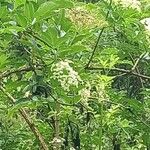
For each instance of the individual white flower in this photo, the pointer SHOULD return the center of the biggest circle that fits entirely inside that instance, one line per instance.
(146, 23)
(44, 27)
(27, 94)
(57, 140)
(134, 4)
(64, 73)
(71, 148)
(14, 23)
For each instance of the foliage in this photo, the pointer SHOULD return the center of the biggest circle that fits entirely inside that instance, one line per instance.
(74, 75)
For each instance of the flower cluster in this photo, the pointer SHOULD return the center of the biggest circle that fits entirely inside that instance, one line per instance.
(81, 17)
(64, 73)
(85, 94)
(134, 4)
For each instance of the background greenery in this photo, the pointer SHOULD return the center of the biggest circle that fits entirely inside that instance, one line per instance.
(74, 75)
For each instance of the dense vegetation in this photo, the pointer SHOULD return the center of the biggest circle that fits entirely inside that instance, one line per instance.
(74, 75)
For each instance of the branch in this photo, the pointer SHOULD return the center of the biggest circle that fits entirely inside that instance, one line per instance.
(99, 37)
(137, 61)
(70, 105)
(28, 121)
(21, 69)
(61, 103)
(56, 145)
(34, 35)
(136, 68)
(94, 50)
(121, 70)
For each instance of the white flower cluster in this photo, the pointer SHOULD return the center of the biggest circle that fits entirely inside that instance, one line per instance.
(134, 4)
(64, 73)
(82, 17)
(85, 94)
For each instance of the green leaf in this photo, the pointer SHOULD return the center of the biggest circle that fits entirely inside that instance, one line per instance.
(50, 36)
(124, 123)
(72, 50)
(21, 20)
(78, 38)
(64, 3)
(3, 12)
(43, 9)
(19, 2)
(46, 8)
(23, 102)
(11, 30)
(29, 10)
(78, 48)
(146, 138)
(3, 60)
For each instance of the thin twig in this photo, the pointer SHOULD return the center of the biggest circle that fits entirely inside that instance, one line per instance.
(137, 61)
(94, 50)
(57, 126)
(31, 34)
(61, 103)
(21, 69)
(120, 75)
(70, 105)
(120, 70)
(99, 37)
(136, 67)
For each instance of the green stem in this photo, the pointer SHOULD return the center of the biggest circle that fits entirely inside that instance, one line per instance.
(57, 127)
(101, 125)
